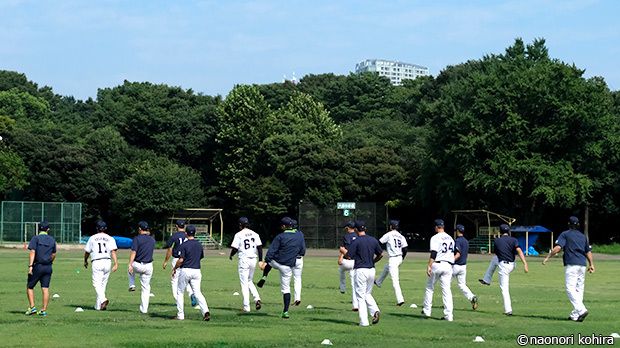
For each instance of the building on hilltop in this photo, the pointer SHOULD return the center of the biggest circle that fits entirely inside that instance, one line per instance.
(394, 70)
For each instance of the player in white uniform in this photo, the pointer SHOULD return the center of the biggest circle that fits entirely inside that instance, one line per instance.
(250, 248)
(297, 271)
(440, 268)
(102, 250)
(346, 263)
(397, 250)
(173, 250)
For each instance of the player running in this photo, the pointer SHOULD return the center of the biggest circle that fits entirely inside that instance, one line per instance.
(576, 251)
(505, 248)
(173, 246)
(397, 250)
(346, 264)
(439, 268)
(249, 247)
(101, 248)
(141, 262)
(42, 254)
(188, 267)
(459, 270)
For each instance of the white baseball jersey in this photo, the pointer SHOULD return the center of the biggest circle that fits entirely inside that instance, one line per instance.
(395, 242)
(245, 242)
(99, 246)
(443, 244)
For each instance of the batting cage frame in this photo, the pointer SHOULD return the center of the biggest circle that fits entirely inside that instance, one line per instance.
(19, 220)
(486, 225)
(203, 219)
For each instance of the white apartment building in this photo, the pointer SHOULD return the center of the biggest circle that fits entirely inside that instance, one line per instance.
(395, 71)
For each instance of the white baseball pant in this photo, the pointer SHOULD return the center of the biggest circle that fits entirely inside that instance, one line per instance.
(145, 271)
(297, 270)
(191, 277)
(246, 269)
(347, 265)
(101, 273)
(174, 282)
(504, 270)
(442, 272)
(364, 281)
(285, 276)
(392, 267)
(460, 273)
(575, 277)
(488, 276)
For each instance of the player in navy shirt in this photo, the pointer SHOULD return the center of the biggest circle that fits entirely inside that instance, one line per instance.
(173, 246)
(141, 262)
(459, 270)
(282, 255)
(346, 263)
(188, 267)
(506, 247)
(42, 254)
(576, 251)
(365, 251)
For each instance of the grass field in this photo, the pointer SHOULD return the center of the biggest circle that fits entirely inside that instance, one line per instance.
(539, 302)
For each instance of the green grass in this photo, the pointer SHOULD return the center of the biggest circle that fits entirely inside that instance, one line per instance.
(539, 302)
(613, 249)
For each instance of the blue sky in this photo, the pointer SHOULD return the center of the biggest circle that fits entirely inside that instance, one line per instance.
(79, 46)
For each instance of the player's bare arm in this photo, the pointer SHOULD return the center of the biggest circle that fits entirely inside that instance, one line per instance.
(590, 262)
(132, 256)
(431, 260)
(86, 255)
(53, 257)
(522, 257)
(31, 261)
(114, 258)
(457, 255)
(556, 249)
(178, 265)
(168, 255)
(233, 251)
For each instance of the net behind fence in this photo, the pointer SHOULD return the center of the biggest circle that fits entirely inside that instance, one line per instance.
(323, 226)
(19, 221)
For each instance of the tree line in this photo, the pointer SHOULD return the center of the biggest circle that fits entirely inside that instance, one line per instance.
(519, 133)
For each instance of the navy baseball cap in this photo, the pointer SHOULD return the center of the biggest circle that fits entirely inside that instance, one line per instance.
(293, 222)
(439, 223)
(503, 228)
(181, 223)
(460, 228)
(395, 223)
(349, 224)
(286, 221)
(190, 230)
(573, 220)
(143, 225)
(44, 226)
(360, 225)
(244, 221)
(101, 225)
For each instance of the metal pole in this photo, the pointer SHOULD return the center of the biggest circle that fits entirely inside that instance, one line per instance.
(2, 224)
(489, 231)
(527, 242)
(62, 216)
(221, 228)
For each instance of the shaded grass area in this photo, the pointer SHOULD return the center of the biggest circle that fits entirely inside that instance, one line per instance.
(539, 302)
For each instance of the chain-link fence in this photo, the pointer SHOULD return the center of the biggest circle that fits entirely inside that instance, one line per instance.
(19, 221)
(323, 226)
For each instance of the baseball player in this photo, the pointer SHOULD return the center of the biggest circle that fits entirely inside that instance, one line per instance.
(188, 267)
(439, 268)
(42, 254)
(366, 252)
(506, 247)
(576, 252)
(282, 255)
(298, 269)
(173, 246)
(459, 270)
(102, 251)
(396, 246)
(346, 264)
(248, 245)
(141, 262)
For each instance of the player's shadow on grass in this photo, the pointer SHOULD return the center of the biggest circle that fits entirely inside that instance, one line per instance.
(412, 315)
(90, 308)
(546, 317)
(335, 321)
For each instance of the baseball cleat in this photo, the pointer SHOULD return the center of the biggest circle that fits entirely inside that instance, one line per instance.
(31, 310)
(207, 316)
(446, 318)
(425, 315)
(193, 299)
(132, 288)
(259, 305)
(582, 316)
(104, 305)
(376, 317)
(377, 284)
(474, 303)
(400, 303)
(508, 314)
(42, 313)
(483, 282)
(297, 302)
(285, 315)
(355, 309)
(177, 318)
(261, 282)
(342, 291)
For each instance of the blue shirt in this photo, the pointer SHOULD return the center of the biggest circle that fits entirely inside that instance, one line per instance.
(44, 246)
(347, 239)
(575, 246)
(192, 253)
(462, 246)
(363, 251)
(143, 245)
(285, 248)
(175, 242)
(506, 248)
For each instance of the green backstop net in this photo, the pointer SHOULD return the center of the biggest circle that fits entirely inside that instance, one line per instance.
(19, 221)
